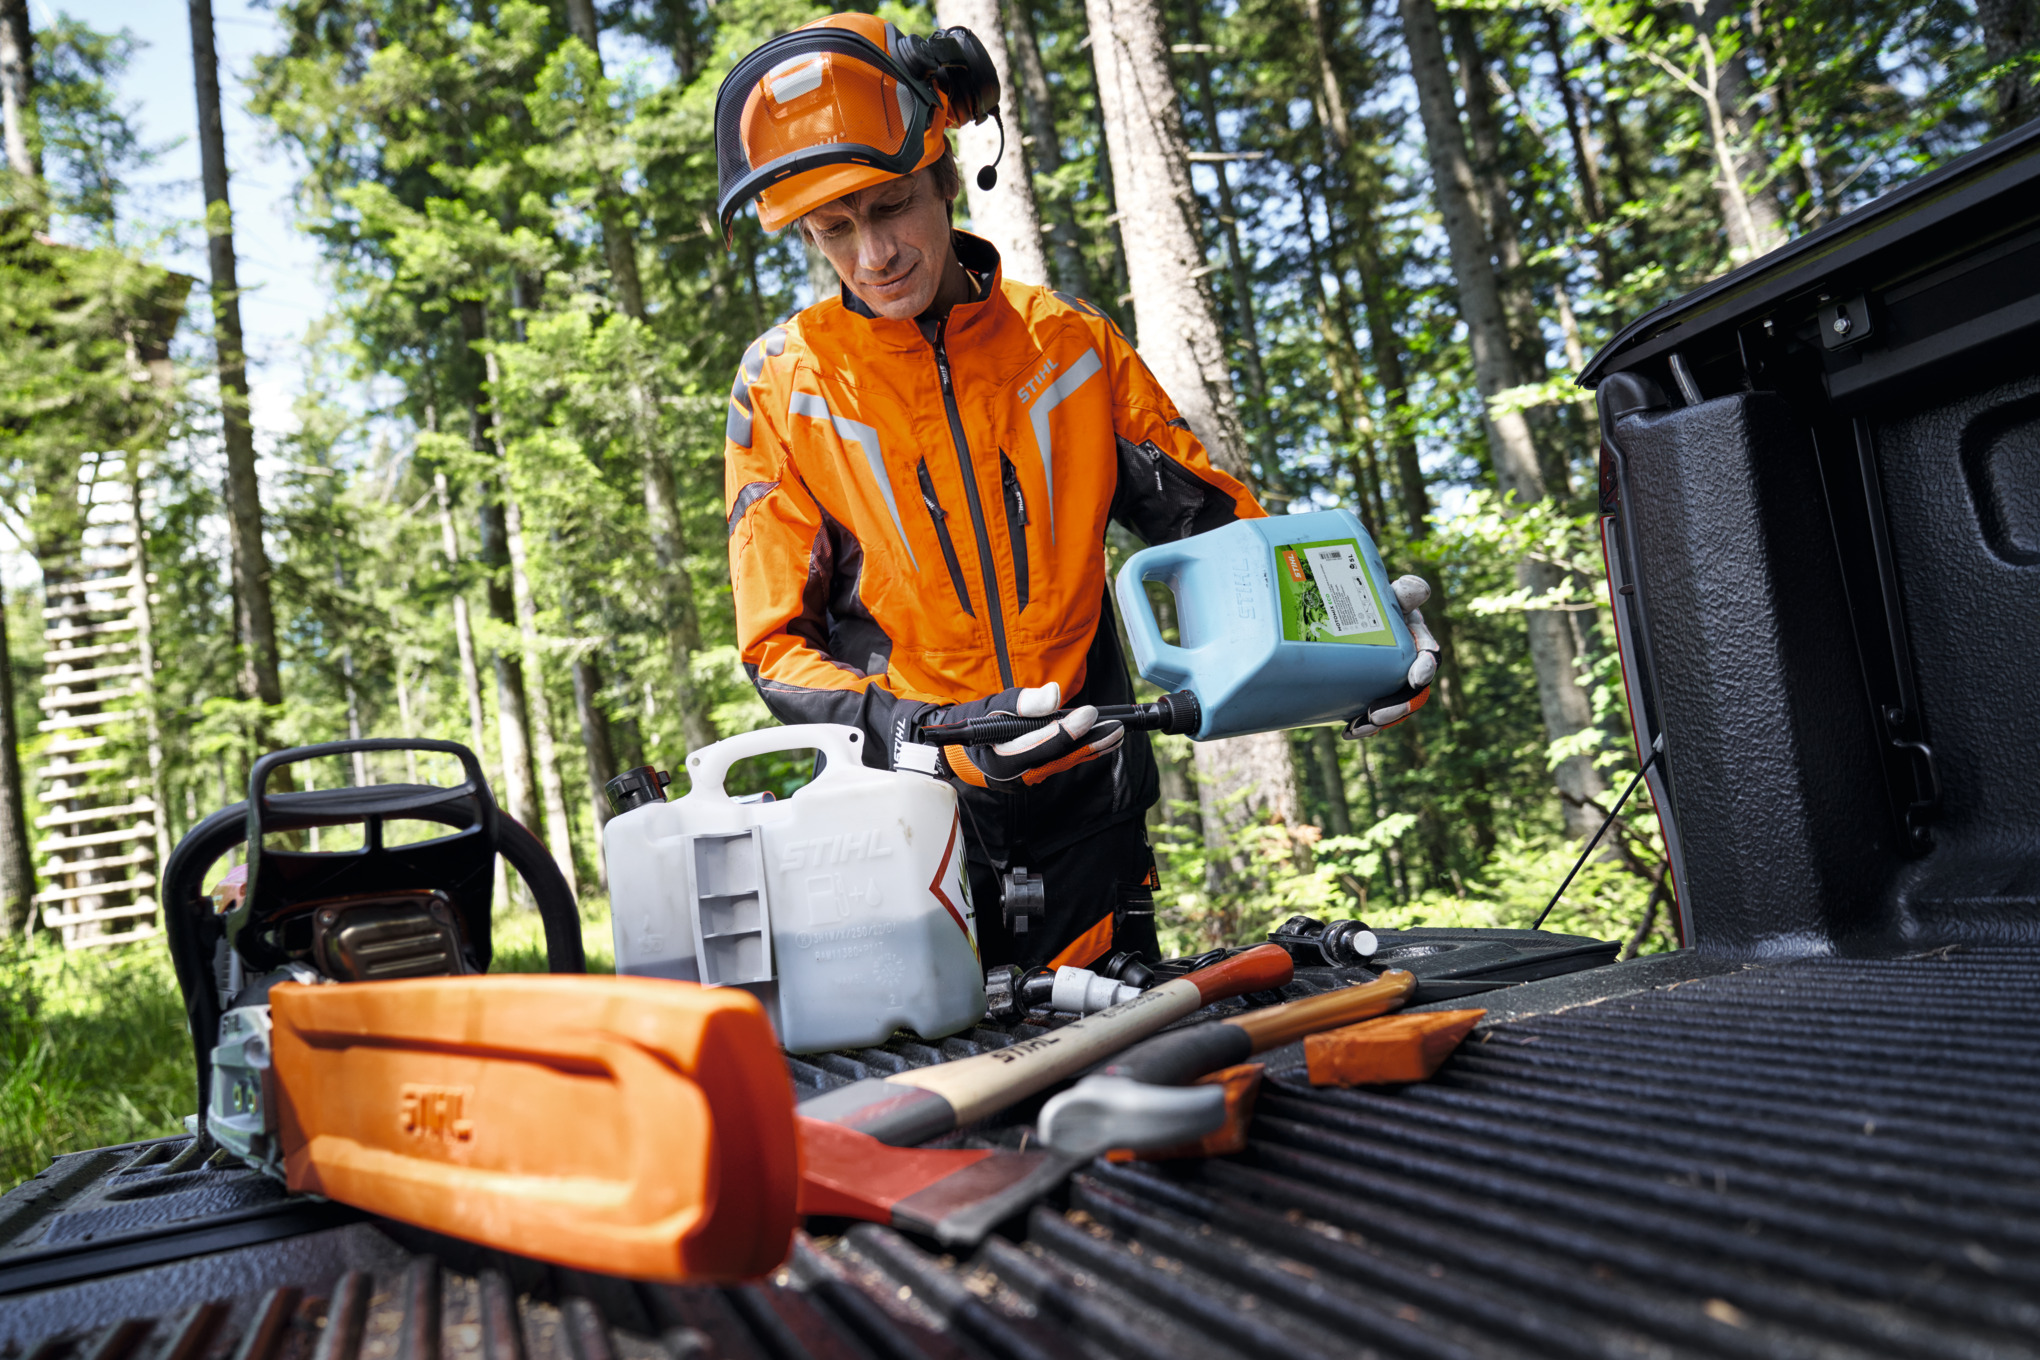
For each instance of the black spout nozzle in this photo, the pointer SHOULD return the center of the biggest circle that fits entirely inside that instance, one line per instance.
(1177, 714)
(636, 787)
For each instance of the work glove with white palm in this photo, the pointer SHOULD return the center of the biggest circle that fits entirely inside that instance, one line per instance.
(1392, 708)
(1055, 746)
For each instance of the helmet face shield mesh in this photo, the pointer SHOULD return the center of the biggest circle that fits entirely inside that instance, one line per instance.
(815, 99)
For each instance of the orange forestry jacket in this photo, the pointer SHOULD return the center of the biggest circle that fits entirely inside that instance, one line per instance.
(917, 515)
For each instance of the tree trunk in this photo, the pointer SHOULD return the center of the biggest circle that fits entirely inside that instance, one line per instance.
(1324, 749)
(619, 244)
(558, 830)
(17, 868)
(2011, 28)
(1385, 348)
(1755, 226)
(558, 835)
(1384, 345)
(1511, 448)
(1584, 164)
(513, 718)
(1324, 28)
(683, 623)
(1006, 214)
(661, 495)
(595, 740)
(17, 89)
(1618, 138)
(255, 621)
(464, 638)
(1164, 261)
(1236, 269)
(1499, 211)
(1043, 147)
(463, 626)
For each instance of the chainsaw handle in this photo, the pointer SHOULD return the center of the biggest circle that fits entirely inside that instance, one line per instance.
(376, 801)
(195, 933)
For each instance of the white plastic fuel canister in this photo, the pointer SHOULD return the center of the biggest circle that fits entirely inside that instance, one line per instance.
(844, 908)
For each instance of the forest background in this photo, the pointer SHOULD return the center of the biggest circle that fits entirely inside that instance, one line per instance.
(1366, 245)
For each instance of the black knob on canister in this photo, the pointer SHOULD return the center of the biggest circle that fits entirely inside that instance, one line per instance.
(636, 787)
(1181, 714)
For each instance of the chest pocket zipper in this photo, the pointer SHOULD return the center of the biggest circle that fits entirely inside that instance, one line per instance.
(1016, 523)
(941, 518)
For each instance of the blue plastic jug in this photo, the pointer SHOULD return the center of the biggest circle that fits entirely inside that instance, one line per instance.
(1285, 622)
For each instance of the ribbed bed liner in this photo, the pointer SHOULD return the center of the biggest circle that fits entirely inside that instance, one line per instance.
(1817, 1158)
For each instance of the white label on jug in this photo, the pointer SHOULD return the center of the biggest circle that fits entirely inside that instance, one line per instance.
(1347, 598)
(1326, 594)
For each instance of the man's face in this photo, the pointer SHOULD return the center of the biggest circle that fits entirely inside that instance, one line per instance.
(890, 243)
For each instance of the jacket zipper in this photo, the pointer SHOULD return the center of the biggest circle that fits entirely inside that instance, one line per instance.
(994, 607)
(941, 518)
(1157, 460)
(1016, 525)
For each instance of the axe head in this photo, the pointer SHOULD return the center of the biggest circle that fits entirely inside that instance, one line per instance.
(626, 1126)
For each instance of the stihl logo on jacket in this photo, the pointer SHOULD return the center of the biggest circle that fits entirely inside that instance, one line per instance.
(1033, 386)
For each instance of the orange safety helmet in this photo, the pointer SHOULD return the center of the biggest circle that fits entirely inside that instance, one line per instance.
(839, 105)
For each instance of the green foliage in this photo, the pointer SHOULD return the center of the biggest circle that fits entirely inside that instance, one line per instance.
(93, 1050)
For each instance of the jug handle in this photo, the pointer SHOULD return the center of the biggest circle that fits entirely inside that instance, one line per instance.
(1171, 665)
(707, 767)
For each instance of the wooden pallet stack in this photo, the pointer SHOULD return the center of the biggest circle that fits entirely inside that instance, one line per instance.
(102, 835)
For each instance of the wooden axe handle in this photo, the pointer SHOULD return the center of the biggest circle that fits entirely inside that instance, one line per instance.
(976, 1087)
(1183, 1055)
(929, 1101)
(1279, 1025)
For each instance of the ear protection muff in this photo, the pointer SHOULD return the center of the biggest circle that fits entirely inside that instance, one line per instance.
(954, 61)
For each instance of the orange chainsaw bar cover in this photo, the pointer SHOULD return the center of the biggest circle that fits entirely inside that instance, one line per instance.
(627, 1126)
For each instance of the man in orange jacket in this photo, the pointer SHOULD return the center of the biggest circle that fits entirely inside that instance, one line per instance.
(919, 476)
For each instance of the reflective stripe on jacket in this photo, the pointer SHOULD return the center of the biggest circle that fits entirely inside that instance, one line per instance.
(917, 513)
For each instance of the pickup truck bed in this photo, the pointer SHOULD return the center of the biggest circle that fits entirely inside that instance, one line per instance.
(1812, 1132)
(1674, 1156)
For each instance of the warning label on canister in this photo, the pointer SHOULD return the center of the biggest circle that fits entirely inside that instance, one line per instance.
(1328, 595)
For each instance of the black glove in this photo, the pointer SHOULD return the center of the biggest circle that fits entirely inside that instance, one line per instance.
(1033, 756)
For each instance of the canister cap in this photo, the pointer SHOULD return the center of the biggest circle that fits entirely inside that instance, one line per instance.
(636, 787)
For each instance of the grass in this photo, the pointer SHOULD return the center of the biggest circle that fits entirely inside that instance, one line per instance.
(93, 1051)
(94, 1048)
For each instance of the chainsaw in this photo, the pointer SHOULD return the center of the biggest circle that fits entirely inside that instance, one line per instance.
(350, 1043)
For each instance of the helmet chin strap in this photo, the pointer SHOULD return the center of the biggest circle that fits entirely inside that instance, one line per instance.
(987, 176)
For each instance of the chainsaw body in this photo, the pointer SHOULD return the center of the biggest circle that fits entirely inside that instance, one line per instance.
(375, 913)
(349, 1044)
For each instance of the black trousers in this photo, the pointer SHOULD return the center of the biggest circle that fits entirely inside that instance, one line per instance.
(1106, 877)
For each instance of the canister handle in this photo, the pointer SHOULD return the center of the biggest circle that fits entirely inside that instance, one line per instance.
(1161, 663)
(706, 768)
